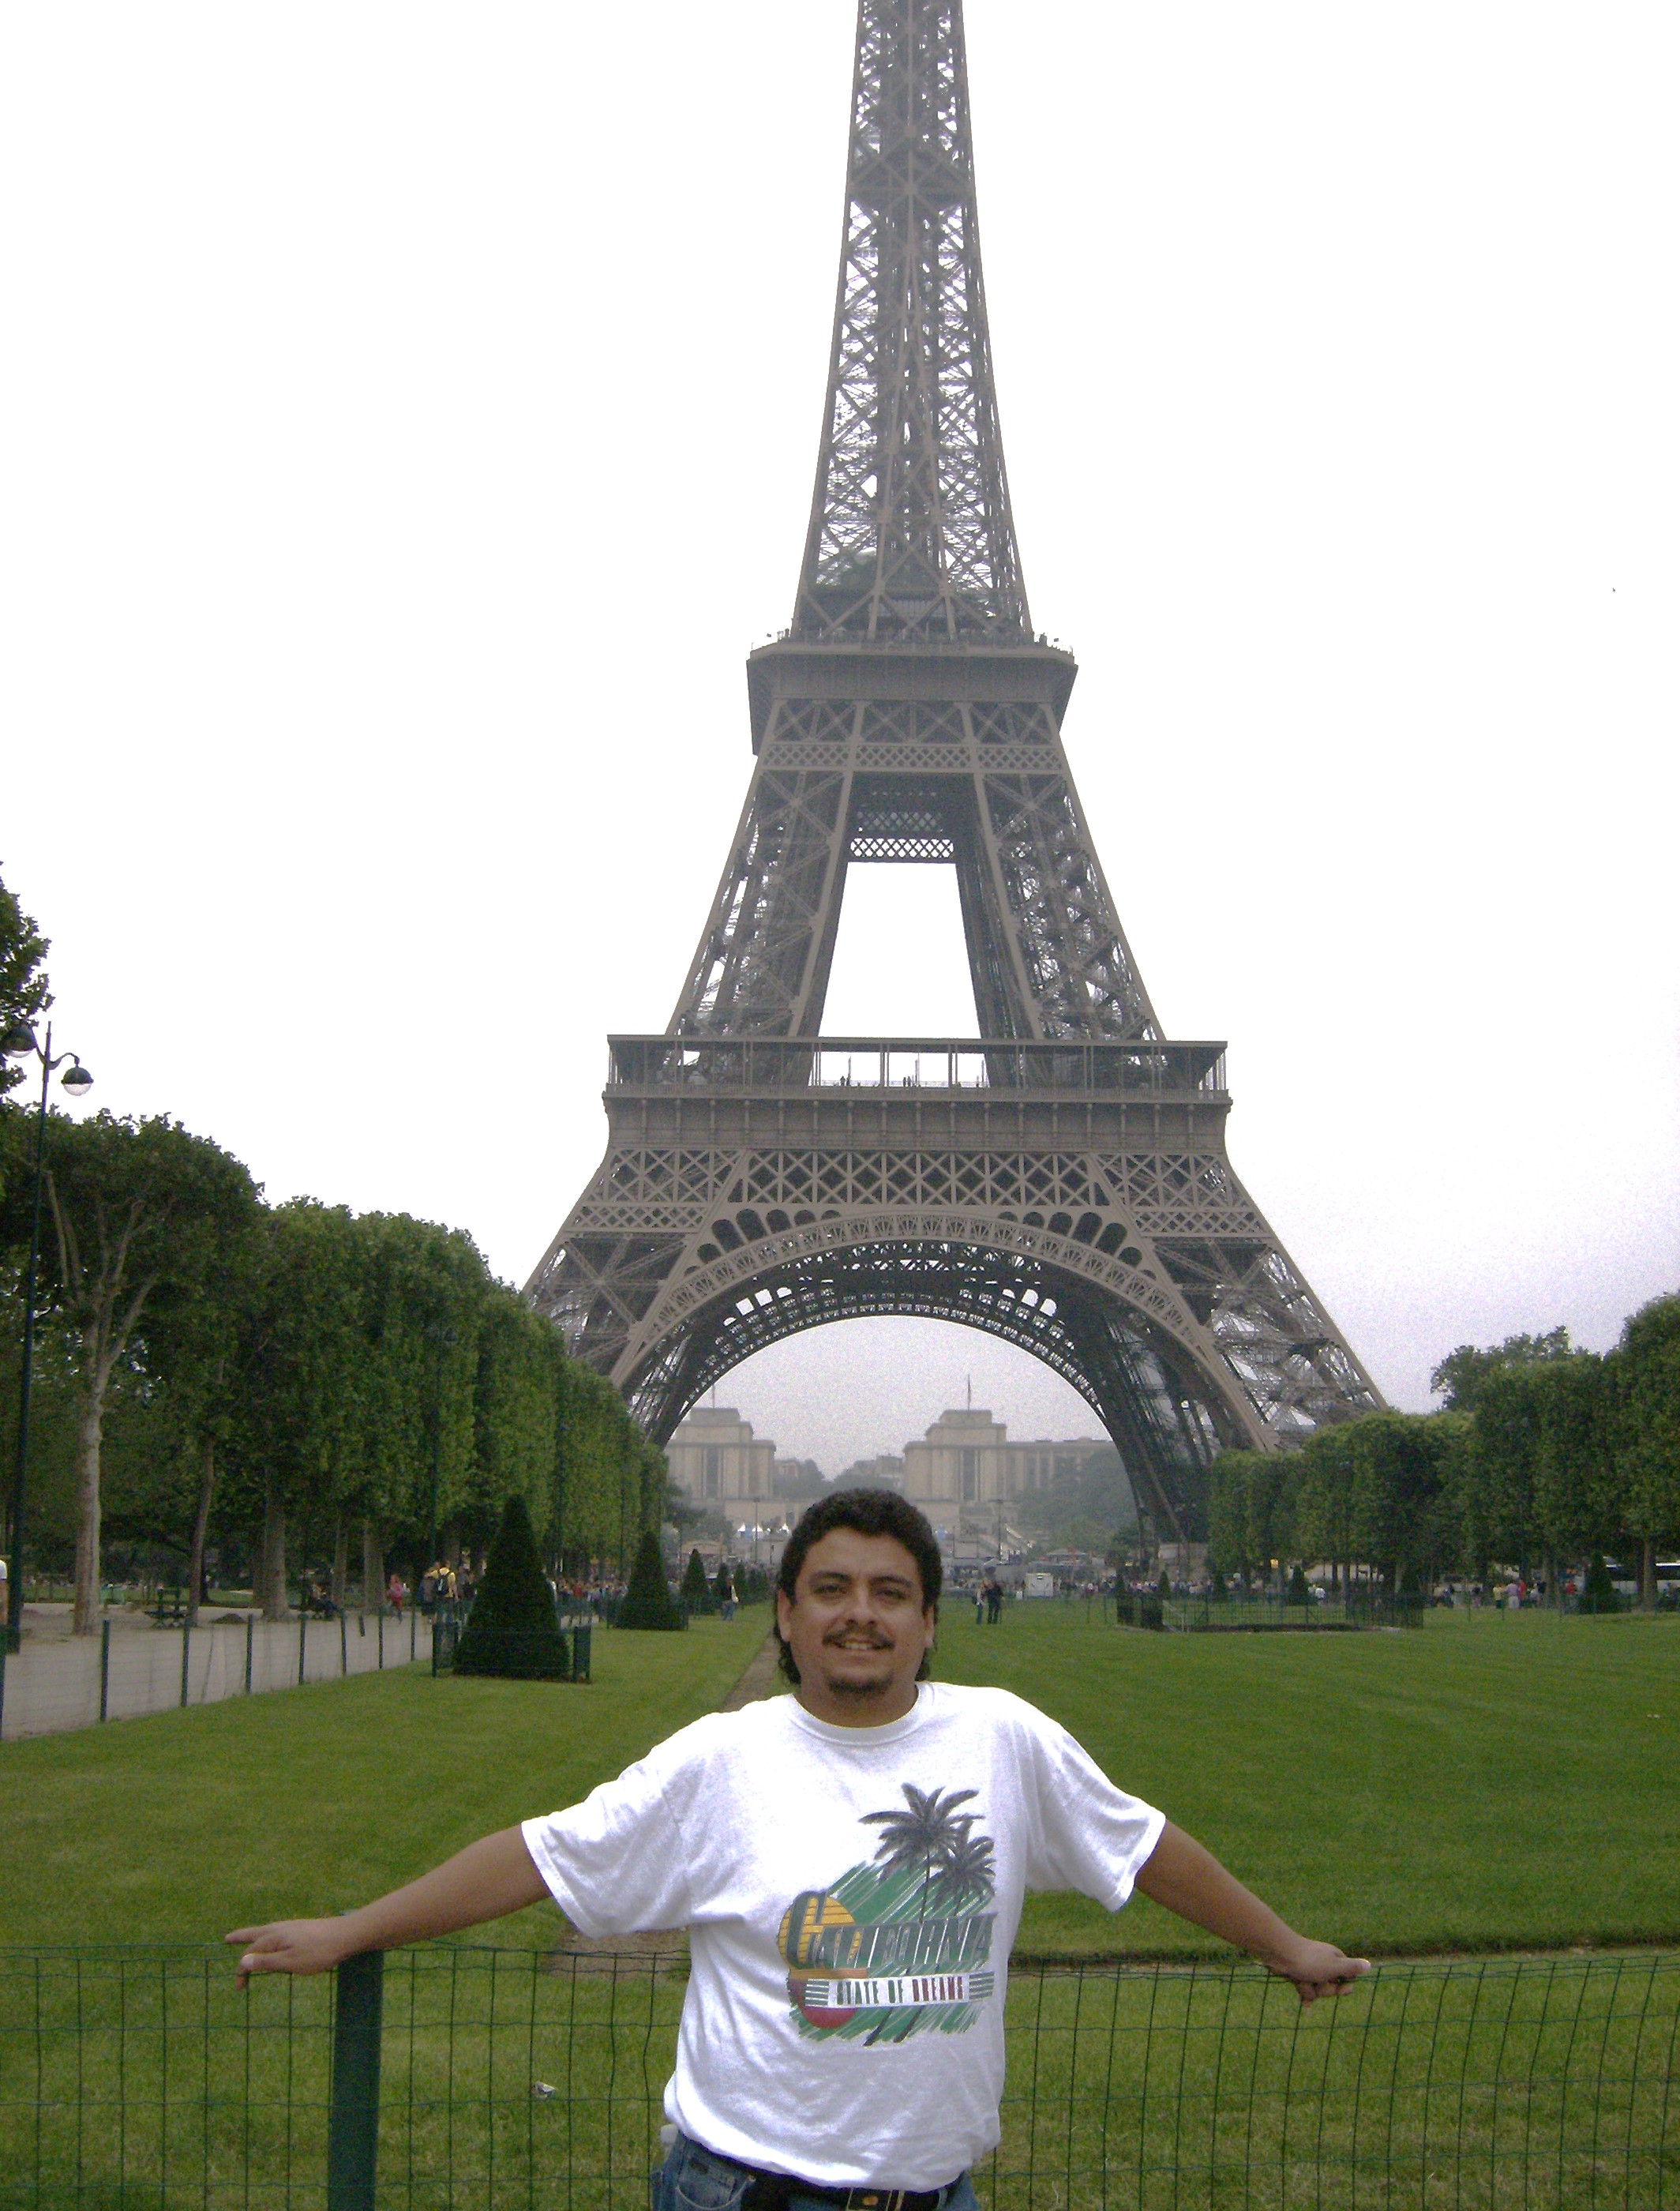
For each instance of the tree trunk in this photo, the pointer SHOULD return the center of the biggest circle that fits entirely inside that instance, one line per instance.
(87, 1433)
(201, 1528)
(273, 1591)
(1647, 1576)
(341, 1559)
(373, 1568)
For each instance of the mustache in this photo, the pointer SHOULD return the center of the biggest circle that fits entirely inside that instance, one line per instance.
(876, 1641)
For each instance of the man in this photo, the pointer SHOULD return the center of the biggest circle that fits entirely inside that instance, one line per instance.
(849, 1862)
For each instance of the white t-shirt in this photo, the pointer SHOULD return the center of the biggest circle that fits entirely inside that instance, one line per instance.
(851, 1896)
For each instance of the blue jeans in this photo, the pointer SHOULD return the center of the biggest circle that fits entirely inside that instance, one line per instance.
(693, 2178)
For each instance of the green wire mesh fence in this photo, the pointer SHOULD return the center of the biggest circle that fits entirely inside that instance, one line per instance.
(482, 2080)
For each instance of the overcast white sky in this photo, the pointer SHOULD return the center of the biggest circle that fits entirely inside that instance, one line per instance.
(409, 421)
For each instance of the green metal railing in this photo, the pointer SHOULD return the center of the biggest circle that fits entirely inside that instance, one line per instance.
(481, 2080)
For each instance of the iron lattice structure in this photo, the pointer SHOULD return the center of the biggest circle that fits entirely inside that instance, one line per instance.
(1061, 1181)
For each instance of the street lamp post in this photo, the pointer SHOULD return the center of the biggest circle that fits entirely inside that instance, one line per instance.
(19, 1043)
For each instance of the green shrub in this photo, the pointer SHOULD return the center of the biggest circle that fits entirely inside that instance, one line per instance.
(647, 1601)
(696, 1589)
(513, 1633)
(1599, 1593)
(1298, 1591)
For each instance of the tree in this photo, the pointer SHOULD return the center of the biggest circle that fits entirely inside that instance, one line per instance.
(1251, 1517)
(1579, 1503)
(696, 1590)
(1464, 1373)
(138, 1211)
(24, 996)
(308, 1390)
(1324, 1498)
(1645, 1395)
(513, 1633)
(189, 1350)
(1508, 1456)
(1088, 1504)
(679, 1509)
(647, 1601)
(927, 1838)
(1396, 1487)
(514, 1408)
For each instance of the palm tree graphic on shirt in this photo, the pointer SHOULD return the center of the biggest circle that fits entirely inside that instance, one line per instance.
(900, 1944)
(932, 1837)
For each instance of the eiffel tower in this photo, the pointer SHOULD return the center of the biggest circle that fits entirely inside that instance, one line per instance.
(1060, 1181)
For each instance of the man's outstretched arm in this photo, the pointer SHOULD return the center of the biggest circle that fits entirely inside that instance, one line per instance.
(490, 1878)
(1190, 1881)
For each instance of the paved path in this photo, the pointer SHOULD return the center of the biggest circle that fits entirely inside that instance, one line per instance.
(53, 1683)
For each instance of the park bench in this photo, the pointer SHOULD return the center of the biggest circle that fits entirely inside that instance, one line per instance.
(171, 1609)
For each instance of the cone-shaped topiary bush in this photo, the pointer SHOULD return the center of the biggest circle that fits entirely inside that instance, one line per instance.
(696, 1589)
(723, 1587)
(512, 1632)
(1299, 1593)
(647, 1601)
(1600, 1592)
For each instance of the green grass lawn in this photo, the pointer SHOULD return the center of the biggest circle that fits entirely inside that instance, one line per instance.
(1473, 1783)
(1478, 1782)
(305, 1801)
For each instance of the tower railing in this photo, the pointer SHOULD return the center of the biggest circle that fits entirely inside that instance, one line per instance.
(954, 1064)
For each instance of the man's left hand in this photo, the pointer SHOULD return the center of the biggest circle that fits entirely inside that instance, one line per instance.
(1317, 1969)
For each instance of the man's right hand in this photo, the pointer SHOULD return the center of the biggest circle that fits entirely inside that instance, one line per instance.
(490, 1877)
(292, 1946)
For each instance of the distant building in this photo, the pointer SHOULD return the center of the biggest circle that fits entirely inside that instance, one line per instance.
(965, 1469)
(715, 1459)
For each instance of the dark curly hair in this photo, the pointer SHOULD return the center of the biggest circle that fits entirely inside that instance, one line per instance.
(868, 1513)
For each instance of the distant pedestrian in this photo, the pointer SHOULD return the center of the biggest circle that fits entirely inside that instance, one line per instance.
(394, 1593)
(993, 1602)
(980, 1604)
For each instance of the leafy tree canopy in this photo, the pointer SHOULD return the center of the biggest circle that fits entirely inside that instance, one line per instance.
(1461, 1377)
(24, 996)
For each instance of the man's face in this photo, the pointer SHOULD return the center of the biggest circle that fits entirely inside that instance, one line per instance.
(857, 1628)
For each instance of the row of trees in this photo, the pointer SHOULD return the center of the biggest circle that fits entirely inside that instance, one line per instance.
(1540, 1456)
(278, 1380)
(297, 1373)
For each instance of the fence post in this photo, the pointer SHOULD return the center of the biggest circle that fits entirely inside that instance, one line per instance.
(343, 1645)
(186, 1646)
(303, 1628)
(251, 1631)
(353, 2124)
(414, 1634)
(3, 1662)
(381, 1619)
(105, 1668)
